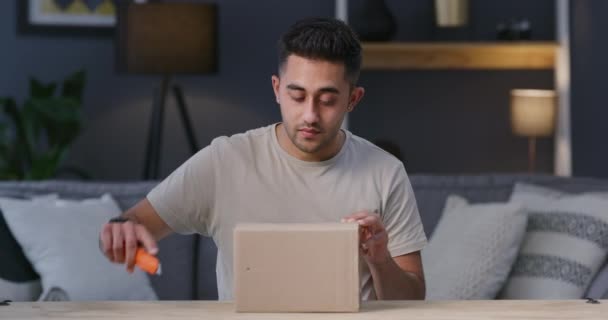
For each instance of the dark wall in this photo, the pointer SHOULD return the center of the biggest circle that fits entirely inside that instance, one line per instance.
(117, 107)
(455, 121)
(443, 121)
(416, 19)
(589, 50)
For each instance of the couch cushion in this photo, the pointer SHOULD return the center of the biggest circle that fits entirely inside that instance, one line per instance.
(126, 194)
(207, 281)
(432, 190)
(566, 243)
(177, 259)
(60, 238)
(176, 252)
(472, 250)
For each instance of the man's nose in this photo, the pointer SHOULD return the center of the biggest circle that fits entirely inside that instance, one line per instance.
(311, 112)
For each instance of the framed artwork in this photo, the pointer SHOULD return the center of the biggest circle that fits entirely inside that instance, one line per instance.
(67, 17)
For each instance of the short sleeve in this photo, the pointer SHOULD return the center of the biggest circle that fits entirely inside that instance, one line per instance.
(401, 217)
(184, 200)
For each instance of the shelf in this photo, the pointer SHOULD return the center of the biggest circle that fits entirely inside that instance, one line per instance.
(459, 55)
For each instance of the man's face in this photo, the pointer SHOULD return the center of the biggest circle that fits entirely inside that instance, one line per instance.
(314, 96)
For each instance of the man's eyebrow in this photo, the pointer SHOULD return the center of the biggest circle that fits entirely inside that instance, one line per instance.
(323, 90)
(330, 90)
(295, 87)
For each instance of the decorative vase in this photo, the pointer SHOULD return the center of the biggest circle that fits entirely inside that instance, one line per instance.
(374, 21)
(452, 13)
(515, 30)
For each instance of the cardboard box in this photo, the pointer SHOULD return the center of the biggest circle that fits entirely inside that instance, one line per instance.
(296, 267)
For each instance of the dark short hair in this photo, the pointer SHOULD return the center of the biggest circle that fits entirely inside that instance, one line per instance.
(324, 39)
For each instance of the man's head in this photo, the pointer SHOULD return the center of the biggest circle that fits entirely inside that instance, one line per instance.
(323, 39)
(319, 63)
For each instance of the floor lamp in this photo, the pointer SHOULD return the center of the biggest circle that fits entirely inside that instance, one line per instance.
(164, 39)
(533, 114)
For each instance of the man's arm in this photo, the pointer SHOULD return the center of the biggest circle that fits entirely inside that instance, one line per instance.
(398, 278)
(144, 214)
(119, 241)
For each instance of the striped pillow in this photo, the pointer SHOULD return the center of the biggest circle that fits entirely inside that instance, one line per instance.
(566, 243)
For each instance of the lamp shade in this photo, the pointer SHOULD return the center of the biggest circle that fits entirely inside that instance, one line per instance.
(166, 37)
(533, 112)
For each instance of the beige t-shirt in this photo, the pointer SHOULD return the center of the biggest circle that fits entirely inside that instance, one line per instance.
(248, 177)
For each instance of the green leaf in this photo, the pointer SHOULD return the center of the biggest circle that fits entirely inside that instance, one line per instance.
(9, 107)
(45, 165)
(60, 117)
(24, 141)
(7, 173)
(4, 101)
(4, 144)
(39, 90)
(73, 86)
(34, 139)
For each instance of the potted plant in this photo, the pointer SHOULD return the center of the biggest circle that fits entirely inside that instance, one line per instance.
(35, 138)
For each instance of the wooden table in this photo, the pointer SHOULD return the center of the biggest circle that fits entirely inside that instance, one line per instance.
(382, 310)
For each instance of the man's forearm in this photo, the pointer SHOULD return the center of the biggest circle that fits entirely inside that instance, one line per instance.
(393, 283)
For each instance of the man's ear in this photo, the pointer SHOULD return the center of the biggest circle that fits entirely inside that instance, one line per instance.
(355, 96)
(276, 83)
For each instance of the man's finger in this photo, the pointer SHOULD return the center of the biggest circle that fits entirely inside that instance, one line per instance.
(106, 241)
(146, 239)
(118, 243)
(368, 220)
(130, 245)
(376, 237)
(370, 246)
(373, 223)
(356, 216)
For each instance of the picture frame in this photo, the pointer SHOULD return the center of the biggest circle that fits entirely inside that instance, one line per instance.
(67, 17)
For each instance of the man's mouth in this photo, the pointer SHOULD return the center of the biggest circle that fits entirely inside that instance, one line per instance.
(309, 132)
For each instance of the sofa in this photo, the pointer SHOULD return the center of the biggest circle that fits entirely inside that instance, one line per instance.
(188, 262)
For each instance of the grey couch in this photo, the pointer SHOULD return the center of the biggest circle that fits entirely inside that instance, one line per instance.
(189, 261)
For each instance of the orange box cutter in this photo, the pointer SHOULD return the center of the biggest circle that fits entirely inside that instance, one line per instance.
(147, 262)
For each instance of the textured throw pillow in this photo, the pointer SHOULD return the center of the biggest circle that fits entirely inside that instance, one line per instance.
(472, 249)
(565, 245)
(60, 238)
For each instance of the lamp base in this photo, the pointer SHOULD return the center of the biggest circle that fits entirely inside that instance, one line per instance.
(153, 147)
(531, 154)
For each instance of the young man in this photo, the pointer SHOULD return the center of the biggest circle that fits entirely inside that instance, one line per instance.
(304, 169)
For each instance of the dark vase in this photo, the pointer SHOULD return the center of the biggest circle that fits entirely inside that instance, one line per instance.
(373, 21)
(515, 30)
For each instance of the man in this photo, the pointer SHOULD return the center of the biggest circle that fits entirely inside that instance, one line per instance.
(304, 169)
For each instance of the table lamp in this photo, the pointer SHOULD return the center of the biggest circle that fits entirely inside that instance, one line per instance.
(533, 115)
(166, 38)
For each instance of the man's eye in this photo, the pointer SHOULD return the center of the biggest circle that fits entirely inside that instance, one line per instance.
(298, 99)
(328, 102)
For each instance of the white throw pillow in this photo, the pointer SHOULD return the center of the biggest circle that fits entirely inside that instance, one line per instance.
(472, 249)
(60, 238)
(565, 244)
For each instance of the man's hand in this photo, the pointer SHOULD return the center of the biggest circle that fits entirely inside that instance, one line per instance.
(119, 242)
(373, 238)
(394, 278)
